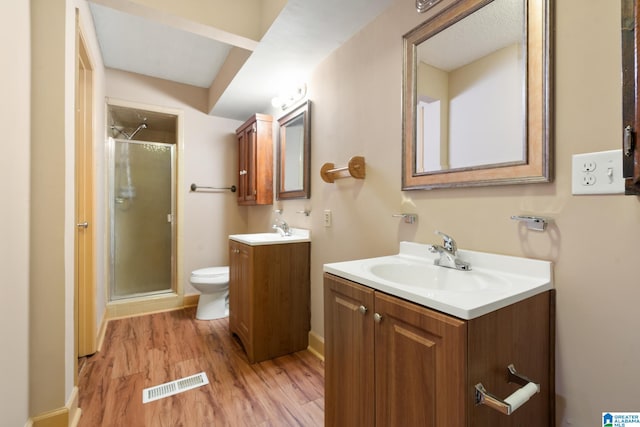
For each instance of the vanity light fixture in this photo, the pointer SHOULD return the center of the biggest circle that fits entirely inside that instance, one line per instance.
(424, 5)
(286, 100)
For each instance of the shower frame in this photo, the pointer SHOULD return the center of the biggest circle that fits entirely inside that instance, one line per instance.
(112, 197)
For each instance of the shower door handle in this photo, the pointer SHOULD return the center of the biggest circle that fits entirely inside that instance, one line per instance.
(83, 225)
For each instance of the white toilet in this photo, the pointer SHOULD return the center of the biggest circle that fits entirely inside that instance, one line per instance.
(213, 284)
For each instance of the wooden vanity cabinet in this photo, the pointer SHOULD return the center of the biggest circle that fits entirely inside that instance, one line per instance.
(269, 298)
(390, 362)
(255, 161)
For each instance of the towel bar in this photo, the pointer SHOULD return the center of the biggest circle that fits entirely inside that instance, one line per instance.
(195, 188)
(355, 169)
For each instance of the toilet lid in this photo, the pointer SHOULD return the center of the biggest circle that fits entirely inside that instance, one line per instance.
(210, 275)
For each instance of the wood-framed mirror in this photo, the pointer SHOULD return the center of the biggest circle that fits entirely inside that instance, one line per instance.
(477, 95)
(294, 154)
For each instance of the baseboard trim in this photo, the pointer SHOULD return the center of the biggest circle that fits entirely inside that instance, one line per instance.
(68, 416)
(74, 411)
(316, 345)
(191, 300)
(56, 418)
(144, 305)
(102, 331)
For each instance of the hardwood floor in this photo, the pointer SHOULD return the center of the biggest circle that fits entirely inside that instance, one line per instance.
(146, 351)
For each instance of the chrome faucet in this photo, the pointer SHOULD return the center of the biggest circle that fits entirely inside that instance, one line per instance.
(448, 254)
(282, 228)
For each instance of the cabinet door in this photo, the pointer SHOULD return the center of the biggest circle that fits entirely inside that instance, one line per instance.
(630, 96)
(247, 142)
(251, 141)
(240, 295)
(349, 358)
(420, 366)
(242, 166)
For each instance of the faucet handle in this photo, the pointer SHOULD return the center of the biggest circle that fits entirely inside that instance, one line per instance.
(449, 243)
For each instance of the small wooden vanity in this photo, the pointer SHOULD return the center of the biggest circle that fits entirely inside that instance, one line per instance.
(390, 362)
(269, 298)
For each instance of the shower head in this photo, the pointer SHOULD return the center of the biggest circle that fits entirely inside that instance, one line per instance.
(138, 129)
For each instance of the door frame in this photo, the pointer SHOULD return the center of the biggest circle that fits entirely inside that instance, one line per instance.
(137, 306)
(84, 254)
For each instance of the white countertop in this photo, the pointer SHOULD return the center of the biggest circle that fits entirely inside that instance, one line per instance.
(494, 282)
(257, 239)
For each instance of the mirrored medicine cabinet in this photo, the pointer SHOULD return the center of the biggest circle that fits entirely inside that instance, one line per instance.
(293, 154)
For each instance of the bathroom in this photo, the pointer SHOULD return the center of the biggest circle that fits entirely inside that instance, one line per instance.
(357, 112)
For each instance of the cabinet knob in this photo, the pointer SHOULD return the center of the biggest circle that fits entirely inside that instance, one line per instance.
(362, 309)
(377, 317)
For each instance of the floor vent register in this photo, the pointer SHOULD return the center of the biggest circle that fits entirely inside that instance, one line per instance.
(174, 387)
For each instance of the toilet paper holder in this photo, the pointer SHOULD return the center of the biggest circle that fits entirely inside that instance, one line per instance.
(515, 400)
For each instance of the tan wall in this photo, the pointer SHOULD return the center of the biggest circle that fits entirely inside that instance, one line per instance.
(48, 200)
(14, 215)
(592, 242)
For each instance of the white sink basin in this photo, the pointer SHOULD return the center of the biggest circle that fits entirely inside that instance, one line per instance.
(493, 282)
(256, 239)
(428, 276)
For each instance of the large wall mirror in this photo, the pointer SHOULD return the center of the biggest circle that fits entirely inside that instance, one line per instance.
(294, 152)
(477, 95)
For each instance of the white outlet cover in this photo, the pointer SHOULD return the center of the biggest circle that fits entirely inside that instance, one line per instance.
(606, 176)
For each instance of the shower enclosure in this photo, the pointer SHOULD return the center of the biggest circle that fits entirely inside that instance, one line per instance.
(142, 207)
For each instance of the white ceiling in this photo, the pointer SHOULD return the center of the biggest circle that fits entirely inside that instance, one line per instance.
(305, 32)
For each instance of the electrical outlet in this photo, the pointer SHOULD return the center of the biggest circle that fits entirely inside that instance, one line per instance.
(327, 218)
(597, 173)
(588, 166)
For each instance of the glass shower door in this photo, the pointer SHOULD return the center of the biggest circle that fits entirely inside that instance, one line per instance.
(142, 232)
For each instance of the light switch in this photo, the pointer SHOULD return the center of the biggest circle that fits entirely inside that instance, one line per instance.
(327, 218)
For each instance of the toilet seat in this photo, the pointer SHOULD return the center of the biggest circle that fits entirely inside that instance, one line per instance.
(210, 275)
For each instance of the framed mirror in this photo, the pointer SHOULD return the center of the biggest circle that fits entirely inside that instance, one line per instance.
(476, 105)
(294, 152)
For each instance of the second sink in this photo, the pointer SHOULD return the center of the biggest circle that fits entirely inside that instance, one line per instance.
(257, 239)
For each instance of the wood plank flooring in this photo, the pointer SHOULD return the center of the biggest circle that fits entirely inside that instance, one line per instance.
(150, 350)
